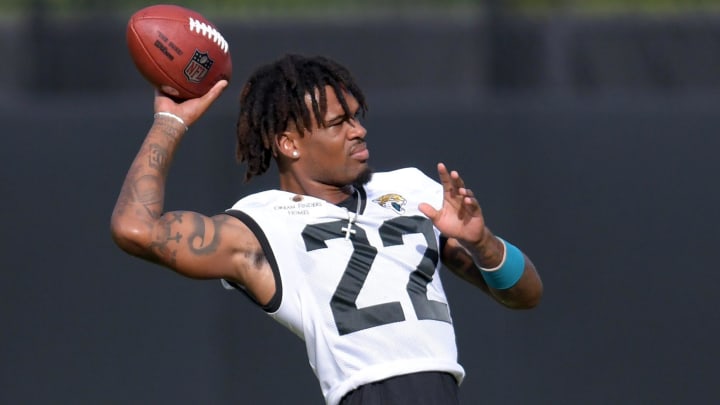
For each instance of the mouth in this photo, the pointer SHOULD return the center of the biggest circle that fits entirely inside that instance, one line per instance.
(360, 152)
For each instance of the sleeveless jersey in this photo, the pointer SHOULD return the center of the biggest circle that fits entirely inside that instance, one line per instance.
(363, 292)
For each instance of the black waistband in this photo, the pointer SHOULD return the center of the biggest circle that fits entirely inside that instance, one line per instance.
(425, 388)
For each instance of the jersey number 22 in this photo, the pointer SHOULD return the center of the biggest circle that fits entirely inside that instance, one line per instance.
(348, 317)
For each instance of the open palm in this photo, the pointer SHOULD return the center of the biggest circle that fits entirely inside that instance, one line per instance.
(460, 216)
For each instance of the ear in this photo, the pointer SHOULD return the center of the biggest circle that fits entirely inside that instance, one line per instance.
(287, 145)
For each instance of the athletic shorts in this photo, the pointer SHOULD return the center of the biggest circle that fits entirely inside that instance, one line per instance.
(427, 388)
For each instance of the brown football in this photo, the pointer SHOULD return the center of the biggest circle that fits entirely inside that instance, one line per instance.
(178, 50)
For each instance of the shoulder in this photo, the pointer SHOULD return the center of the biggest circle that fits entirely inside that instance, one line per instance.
(263, 200)
(409, 176)
(403, 188)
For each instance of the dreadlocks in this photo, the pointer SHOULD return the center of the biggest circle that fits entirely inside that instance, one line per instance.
(274, 97)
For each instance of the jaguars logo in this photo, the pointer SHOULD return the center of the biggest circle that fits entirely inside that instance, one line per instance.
(394, 202)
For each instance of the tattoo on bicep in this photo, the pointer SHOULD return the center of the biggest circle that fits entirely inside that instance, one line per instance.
(164, 235)
(257, 258)
(205, 241)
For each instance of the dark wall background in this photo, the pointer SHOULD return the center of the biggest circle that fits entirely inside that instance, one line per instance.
(591, 143)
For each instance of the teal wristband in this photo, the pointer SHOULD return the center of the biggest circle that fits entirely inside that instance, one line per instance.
(508, 272)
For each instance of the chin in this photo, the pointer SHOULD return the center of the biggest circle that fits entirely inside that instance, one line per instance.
(364, 177)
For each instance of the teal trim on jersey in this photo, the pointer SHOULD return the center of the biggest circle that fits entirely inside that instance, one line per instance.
(509, 272)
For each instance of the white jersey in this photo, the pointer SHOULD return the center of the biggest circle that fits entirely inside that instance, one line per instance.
(364, 291)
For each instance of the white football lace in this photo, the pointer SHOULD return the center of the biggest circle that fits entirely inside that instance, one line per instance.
(209, 32)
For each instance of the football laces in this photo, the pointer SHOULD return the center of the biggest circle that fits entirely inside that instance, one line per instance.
(208, 32)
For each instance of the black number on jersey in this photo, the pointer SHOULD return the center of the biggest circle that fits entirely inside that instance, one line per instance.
(348, 317)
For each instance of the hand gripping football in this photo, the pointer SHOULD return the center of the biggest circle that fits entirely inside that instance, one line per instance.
(178, 50)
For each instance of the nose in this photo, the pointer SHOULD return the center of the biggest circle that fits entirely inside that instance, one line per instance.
(357, 130)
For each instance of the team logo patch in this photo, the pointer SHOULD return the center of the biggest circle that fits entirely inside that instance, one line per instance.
(198, 67)
(394, 202)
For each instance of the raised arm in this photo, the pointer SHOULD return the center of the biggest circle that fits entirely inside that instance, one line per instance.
(475, 254)
(189, 243)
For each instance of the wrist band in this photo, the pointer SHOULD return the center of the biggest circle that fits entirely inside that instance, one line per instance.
(173, 116)
(508, 272)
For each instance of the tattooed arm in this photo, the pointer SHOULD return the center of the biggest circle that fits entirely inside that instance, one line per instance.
(189, 243)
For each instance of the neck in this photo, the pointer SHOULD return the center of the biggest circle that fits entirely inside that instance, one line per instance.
(329, 193)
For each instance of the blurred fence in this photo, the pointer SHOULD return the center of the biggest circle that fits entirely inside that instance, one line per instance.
(314, 6)
(463, 55)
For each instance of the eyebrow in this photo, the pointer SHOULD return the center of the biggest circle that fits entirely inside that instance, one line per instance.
(337, 119)
(343, 117)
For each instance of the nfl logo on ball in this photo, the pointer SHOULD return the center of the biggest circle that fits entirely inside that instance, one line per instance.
(198, 67)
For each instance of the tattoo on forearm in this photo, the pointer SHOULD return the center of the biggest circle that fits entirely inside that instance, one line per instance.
(158, 157)
(123, 201)
(168, 129)
(148, 192)
(144, 189)
(126, 199)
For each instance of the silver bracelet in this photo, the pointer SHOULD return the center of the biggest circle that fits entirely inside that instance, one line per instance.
(173, 116)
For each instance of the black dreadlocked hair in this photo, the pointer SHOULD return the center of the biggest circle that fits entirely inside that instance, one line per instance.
(274, 97)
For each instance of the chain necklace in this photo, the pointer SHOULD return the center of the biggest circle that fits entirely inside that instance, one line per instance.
(352, 217)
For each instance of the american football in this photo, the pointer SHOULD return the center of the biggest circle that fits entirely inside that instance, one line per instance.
(178, 50)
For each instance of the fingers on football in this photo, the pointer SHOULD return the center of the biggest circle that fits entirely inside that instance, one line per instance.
(215, 91)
